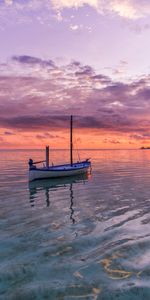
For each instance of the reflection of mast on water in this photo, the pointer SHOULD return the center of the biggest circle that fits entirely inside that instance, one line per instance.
(71, 204)
(34, 191)
(53, 186)
(32, 196)
(47, 197)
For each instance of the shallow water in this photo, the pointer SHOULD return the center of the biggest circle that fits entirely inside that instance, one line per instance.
(78, 238)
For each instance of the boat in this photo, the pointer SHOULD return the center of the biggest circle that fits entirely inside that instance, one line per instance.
(145, 148)
(58, 171)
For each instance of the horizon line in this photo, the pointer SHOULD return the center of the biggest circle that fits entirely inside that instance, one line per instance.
(65, 149)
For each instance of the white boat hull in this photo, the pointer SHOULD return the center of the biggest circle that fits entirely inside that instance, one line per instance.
(59, 171)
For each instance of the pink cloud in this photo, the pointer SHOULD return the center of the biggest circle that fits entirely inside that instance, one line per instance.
(44, 98)
(126, 9)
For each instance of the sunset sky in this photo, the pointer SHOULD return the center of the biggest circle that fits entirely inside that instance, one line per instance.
(88, 58)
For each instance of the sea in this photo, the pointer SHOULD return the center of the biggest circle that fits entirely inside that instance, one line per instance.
(85, 237)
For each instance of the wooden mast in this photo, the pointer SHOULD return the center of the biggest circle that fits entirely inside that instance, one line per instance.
(47, 156)
(71, 143)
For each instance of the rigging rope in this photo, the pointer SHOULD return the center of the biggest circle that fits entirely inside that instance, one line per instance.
(76, 148)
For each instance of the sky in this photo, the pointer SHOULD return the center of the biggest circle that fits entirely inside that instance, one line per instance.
(86, 58)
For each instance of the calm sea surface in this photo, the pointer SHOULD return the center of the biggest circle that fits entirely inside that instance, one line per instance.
(79, 238)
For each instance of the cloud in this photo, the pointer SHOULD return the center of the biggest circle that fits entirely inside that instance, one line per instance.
(26, 59)
(85, 71)
(35, 123)
(45, 97)
(111, 141)
(8, 2)
(74, 27)
(121, 69)
(9, 133)
(128, 9)
(40, 137)
(48, 136)
(140, 137)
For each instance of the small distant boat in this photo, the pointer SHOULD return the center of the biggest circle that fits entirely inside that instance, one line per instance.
(65, 170)
(145, 148)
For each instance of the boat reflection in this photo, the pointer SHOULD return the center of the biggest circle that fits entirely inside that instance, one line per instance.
(48, 185)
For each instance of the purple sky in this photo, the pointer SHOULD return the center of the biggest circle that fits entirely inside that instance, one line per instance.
(89, 58)
(110, 37)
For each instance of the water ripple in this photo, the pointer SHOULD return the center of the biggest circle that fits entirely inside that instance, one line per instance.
(79, 238)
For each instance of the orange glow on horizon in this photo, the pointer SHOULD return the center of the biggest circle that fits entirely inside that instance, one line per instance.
(60, 139)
